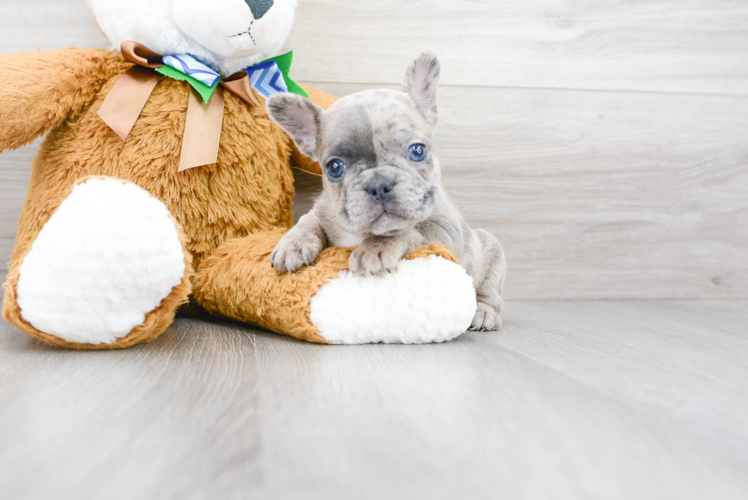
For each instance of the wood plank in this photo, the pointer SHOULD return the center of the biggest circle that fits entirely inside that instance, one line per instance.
(612, 399)
(30, 25)
(6, 248)
(686, 46)
(493, 422)
(602, 194)
(172, 419)
(307, 188)
(678, 361)
(15, 170)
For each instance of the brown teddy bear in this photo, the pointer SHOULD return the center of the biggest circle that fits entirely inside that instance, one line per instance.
(163, 181)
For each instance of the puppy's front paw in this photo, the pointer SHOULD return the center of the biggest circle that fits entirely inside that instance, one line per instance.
(486, 318)
(295, 251)
(375, 255)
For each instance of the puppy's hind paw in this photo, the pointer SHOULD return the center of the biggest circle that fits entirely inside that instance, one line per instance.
(486, 319)
(295, 251)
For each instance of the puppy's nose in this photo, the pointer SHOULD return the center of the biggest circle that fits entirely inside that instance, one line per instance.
(379, 189)
(259, 7)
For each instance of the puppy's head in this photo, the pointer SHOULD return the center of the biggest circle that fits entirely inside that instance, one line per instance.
(376, 150)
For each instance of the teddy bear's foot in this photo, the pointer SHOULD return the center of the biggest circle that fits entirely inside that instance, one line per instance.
(424, 299)
(107, 270)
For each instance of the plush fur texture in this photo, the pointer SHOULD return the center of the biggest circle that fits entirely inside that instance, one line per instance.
(228, 216)
(107, 257)
(249, 189)
(33, 102)
(422, 300)
(153, 324)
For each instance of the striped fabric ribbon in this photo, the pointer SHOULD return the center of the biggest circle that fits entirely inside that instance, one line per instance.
(267, 78)
(192, 67)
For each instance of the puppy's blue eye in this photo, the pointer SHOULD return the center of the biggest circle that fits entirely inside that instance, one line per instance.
(417, 152)
(335, 169)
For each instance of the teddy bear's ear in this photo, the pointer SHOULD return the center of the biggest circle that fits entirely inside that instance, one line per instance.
(421, 81)
(299, 117)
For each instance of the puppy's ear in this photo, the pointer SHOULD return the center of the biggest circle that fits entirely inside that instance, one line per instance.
(299, 117)
(421, 81)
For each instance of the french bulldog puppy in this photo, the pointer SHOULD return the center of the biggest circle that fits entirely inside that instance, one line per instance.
(382, 186)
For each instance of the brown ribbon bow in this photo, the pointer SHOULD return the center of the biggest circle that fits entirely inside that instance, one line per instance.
(202, 128)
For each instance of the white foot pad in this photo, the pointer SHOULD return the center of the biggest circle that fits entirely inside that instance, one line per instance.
(109, 255)
(423, 300)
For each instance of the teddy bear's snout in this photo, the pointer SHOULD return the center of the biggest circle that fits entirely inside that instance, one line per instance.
(259, 7)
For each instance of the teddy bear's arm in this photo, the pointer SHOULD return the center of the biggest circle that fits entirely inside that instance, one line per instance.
(298, 159)
(38, 90)
(431, 301)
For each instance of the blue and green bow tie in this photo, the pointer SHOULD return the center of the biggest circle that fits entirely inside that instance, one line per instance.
(267, 78)
(202, 130)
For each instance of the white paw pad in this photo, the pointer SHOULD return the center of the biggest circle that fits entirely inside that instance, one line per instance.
(109, 255)
(423, 300)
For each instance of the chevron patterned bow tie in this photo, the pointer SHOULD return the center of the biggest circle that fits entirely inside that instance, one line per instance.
(272, 76)
(267, 78)
(202, 130)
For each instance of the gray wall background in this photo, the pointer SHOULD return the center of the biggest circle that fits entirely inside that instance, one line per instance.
(604, 143)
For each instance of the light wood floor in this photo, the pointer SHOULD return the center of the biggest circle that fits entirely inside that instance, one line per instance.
(608, 399)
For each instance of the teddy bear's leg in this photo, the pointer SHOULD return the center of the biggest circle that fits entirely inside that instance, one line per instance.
(428, 297)
(107, 270)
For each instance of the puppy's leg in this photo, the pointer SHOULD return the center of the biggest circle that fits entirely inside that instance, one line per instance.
(381, 253)
(490, 279)
(300, 246)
